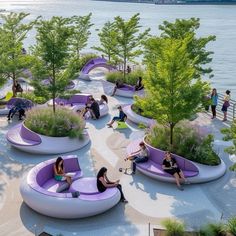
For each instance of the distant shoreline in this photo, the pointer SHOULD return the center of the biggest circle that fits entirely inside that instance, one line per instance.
(174, 3)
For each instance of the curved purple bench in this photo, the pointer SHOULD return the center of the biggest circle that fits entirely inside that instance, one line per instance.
(136, 118)
(26, 140)
(125, 91)
(41, 192)
(153, 167)
(92, 64)
(76, 99)
(22, 136)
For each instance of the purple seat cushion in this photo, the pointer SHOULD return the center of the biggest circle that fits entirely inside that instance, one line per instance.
(52, 185)
(85, 186)
(156, 168)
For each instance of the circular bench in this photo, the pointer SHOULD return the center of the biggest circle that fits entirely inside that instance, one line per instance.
(39, 191)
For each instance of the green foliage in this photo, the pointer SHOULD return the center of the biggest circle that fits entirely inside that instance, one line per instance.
(108, 43)
(129, 39)
(173, 227)
(67, 94)
(12, 34)
(172, 92)
(231, 225)
(230, 134)
(186, 28)
(187, 143)
(35, 99)
(52, 56)
(63, 123)
(85, 58)
(130, 78)
(81, 32)
(213, 229)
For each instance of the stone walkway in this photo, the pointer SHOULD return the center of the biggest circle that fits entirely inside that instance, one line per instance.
(150, 201)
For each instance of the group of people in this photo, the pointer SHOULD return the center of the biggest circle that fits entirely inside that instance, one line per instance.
(169, 165)
(20, 107)
(214, 103)
(92, 107)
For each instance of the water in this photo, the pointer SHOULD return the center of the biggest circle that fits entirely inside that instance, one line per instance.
(219, 20)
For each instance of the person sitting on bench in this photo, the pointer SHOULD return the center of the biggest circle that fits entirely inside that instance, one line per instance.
(139, 84)
(118, 84)
(139, 156)
(122, 117)
(93, 108)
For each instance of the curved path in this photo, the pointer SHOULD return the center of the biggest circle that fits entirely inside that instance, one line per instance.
(196, 205)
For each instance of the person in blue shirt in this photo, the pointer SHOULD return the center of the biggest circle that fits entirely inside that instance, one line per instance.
(214, 102)
(122, 117)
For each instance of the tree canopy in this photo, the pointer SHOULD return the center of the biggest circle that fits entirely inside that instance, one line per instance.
(172, 93)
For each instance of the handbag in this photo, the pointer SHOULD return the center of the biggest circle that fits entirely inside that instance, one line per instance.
(226, 104)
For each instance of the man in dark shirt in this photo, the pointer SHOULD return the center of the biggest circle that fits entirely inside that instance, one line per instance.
(94, 109)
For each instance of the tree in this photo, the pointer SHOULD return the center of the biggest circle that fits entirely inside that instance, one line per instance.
(81, 32)
(172, 93)
(13, 32)
(108, 41)
(129, 39)
(52, 56)
(183, 28)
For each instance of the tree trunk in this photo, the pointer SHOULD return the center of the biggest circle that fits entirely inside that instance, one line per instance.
(13, 86)
(172, 125)
(124, 69)
(53, 93)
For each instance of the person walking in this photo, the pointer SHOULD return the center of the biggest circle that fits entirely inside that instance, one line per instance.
(226, 104)
(214, 102)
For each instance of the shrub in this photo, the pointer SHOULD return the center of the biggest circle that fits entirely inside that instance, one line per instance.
(69, 93)
(213, 229)
(34, 98)
(63, 123)
(130, 79)
(187, 143)
(173, 227)
(231, 225)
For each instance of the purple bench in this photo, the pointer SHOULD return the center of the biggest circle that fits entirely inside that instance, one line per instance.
(153, 167)
(39, 191)
(74, 100)
(22, 136)
(27, 103)
(96, 62)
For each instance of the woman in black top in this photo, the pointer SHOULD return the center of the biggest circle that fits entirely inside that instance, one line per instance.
(103, 183)
(170, 166)
(139, 84)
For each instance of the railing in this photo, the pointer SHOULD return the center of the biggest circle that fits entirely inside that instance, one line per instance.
(231, 112)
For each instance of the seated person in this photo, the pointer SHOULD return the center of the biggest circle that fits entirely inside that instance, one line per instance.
(128, 69)
(16, 88)
(93, 108)
(103, 100)
(170, 166)
(59, 172)
(118, 84)
(139, 156)
(139, 84)
(103, 183)
(122, 117)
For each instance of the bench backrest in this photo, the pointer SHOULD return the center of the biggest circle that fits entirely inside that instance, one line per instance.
(157, 156)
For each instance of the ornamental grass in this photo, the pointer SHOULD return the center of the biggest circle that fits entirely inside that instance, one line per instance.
(62, 123)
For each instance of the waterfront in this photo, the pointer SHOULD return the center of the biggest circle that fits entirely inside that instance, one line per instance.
(219, 20)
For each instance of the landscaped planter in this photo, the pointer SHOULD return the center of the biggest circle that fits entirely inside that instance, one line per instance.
(26, 140)
(136, 118)
(194, 172)
(163, 232)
